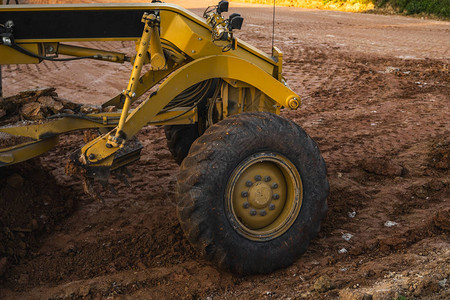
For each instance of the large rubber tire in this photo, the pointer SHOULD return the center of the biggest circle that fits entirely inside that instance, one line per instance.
(179, 140)
(203, 183)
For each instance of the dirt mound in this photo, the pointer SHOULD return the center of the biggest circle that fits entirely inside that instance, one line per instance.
(32, 105)
(442, 219)
(382, 166)
(440, 153)
(31, 202)
(39, 104)
(8, 140)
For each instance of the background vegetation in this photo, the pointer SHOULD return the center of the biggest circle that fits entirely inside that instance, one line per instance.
(440, 8)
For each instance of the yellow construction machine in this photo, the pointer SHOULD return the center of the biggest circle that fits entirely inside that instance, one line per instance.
(252, 185)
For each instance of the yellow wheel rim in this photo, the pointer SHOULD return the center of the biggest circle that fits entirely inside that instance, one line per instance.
(263, 196)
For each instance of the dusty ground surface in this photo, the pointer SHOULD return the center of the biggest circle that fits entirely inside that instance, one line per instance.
(376, 99)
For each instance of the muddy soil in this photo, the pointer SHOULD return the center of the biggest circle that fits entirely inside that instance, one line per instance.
(31, 203)
(375, 93)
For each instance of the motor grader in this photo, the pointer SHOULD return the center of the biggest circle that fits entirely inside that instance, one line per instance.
(252, 186)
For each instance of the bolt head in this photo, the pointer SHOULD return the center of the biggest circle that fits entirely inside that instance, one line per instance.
(258, 177)
(263, 213)
(272, 206)
(91, 156)
(253, 212)
(293, 103)
(249, 183)
(267, 179)
(244, 194)
(276, 196)
(275, 185)
(246, 205)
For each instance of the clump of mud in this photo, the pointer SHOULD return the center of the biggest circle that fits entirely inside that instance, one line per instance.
(39, 104)
(440, 153)
(382, 166)
(36, 107)
(8, 140)
(31, 202)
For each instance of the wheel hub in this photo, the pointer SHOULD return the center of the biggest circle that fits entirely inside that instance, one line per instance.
(264, 196)
(260, 195)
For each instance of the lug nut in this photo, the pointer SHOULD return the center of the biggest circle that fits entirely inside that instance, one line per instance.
(244, 194)
(276, 196)
(275, 185)
(253, 212)
(263, 213)
(249, 183)
(272, 206)
(267, 178)
(246, 205)
(258, 177)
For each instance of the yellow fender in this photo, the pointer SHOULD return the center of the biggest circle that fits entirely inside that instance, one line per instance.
(215, 66)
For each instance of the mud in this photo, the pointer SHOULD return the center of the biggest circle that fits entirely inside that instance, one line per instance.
(31, 203)
(382, 124)
(35, 105)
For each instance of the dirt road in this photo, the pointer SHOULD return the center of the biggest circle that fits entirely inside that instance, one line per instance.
(375, 93)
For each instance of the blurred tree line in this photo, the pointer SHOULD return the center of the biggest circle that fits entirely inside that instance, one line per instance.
(439, 8)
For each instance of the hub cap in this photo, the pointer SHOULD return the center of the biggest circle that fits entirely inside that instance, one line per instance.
(263, 196)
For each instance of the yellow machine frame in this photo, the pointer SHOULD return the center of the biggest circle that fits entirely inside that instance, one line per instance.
(178, 46)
